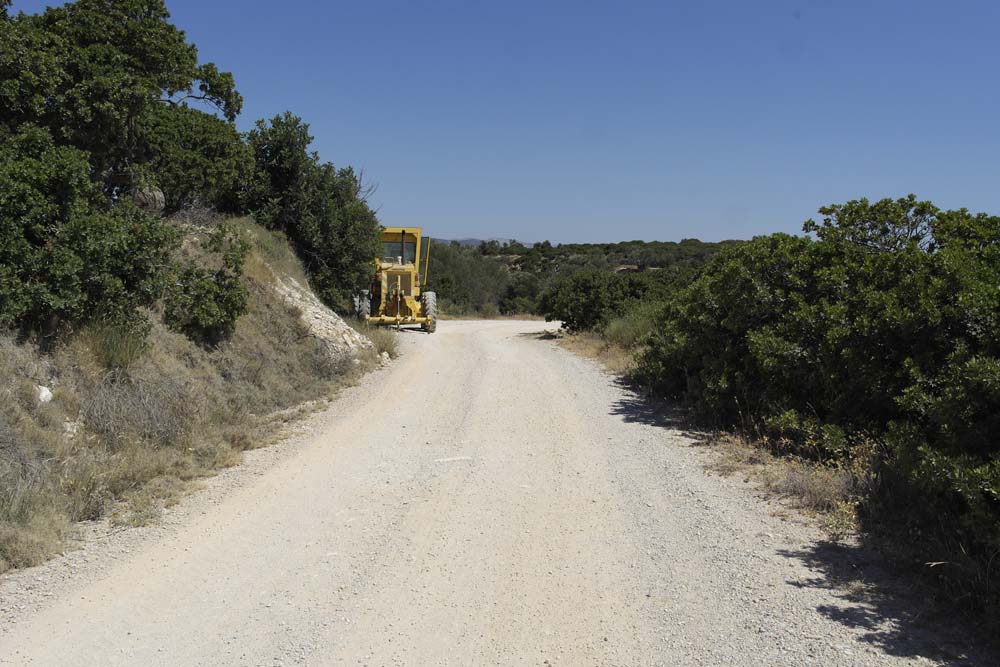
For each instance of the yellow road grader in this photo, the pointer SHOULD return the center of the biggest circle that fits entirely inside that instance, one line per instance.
(395, 297)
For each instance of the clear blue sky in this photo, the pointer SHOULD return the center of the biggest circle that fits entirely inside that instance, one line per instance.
(607, 121)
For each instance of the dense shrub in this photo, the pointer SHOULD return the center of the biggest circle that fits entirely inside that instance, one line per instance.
(195, 158)
(887, 324)
(512, 278)
(584, 301)
(520, 294)
(64, 254)
(203, 303)
(632, 328)
(589, 300)
(465, 280)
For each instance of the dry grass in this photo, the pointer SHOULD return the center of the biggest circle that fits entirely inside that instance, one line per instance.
(385, 339)
(829, 492)
(116, 345)
(143, 505)
(159, 410)
(272, 253)
(615, 358)
(137, 414)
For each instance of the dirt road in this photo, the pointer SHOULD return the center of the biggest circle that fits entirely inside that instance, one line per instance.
(489, 499)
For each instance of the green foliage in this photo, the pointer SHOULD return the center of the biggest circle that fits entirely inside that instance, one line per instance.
(64, 256)
(96, 96)
(195, 158)
(633, 327)
(589, 300)
(279, 193)
(93, 107)
(520, 293)
(513, 278)
(89, 72)
(584, 301)
(205, 304)
(465, 280)
(322, 209)
(886, 324)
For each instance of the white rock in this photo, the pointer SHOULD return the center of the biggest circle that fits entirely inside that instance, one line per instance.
(337, 336)
(44, 394)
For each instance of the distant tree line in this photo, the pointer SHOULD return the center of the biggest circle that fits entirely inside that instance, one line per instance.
(513, 278)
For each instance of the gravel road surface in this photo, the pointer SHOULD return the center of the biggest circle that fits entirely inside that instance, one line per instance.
(488, 499)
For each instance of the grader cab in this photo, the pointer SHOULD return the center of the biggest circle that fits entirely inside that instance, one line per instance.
(396, 297)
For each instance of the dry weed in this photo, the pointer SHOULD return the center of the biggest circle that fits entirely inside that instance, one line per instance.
(157, 410)
(134, 419)
(614, 357)
(144, 505)
(385, 339)
(830, 492)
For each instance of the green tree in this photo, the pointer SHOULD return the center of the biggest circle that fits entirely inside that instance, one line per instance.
(64, 255)
(88, 72)
(321, 208)
(279, 194)
(340, 237)
(195, 157)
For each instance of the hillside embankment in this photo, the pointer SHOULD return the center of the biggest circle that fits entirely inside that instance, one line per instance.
(112, 421)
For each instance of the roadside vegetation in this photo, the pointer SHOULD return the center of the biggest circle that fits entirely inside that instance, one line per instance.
(866, 352)
(384, 339)
(142, 340)
(497, 279)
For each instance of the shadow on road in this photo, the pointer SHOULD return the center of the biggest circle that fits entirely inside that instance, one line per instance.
(899, 618)
(636, 408)
(552, 334)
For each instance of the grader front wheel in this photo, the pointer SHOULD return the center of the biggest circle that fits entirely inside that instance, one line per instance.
(430, 308)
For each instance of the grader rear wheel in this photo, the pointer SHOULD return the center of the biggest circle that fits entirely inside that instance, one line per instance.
(430, 308)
